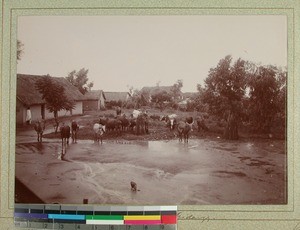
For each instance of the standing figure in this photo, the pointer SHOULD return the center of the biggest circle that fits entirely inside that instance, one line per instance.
(118, 110)
(28, 116)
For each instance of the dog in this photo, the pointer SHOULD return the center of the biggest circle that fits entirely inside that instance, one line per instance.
(134, 186)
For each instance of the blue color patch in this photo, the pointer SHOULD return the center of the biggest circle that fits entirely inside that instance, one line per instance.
(66, 217)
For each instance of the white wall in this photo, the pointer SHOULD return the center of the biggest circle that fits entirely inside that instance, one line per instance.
(36, 112)
(78, 110)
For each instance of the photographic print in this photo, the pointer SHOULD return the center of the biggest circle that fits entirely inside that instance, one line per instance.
(151, 110)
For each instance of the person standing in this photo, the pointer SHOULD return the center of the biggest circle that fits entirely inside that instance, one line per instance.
(28, 116)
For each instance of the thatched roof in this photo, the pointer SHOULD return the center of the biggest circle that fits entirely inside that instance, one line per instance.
(93, 95)
(28, 94)
(116, 96)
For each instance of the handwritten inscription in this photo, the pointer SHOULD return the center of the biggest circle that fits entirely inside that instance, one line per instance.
(183, 216)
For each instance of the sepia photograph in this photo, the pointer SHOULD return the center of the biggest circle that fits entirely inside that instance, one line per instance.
(152, 110)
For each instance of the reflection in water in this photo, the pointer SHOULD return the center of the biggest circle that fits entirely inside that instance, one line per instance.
(40, 148)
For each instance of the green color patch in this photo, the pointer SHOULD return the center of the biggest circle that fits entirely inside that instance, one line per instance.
(104, 217)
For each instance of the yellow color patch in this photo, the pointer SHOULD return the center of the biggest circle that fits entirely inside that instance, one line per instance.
(157, 217)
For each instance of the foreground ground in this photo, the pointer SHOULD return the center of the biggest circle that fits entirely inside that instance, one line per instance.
(207, 170)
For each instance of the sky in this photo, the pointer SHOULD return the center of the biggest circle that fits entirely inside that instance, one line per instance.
(136, 51)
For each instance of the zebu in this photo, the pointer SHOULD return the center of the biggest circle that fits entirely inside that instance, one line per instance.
(170, 120)
(141, 121)
(99, 130)
(39, 127)
(65, 133)
(183, 129)
(74, 130)
(124, 122)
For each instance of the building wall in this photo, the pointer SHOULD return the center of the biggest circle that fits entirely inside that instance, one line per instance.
(36, 112)
(21, 113)
(91, 105)
(78, 110)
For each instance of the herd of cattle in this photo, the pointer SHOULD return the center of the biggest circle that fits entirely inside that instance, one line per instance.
(137, 122)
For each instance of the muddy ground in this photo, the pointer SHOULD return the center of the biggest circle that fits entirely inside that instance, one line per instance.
(207, 170)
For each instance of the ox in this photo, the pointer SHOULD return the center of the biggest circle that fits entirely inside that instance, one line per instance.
(74, 130)
(124, 121)
(183, 129)
(141, 121)
(39, 127)
(190, 121)
(65, 133)
(170, 120)
(99, 130)
(113, 124)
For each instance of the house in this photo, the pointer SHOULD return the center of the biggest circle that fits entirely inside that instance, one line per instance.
(94, 100)
(29, 97)
(116, 97)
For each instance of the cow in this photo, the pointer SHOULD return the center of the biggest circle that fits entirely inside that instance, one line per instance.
(132, 123)
(190, 122)
(142, 123)
(99, 130)
(102, 121)
(125, 122)
(65, 133)
(135, 113)
(113, 124)
(170, 120)
(39, 127)
(74, 130)
(183, 129)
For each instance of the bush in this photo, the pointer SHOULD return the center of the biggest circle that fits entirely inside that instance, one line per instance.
(112, 104)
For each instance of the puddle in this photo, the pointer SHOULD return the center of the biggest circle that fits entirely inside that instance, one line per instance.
(165, 171)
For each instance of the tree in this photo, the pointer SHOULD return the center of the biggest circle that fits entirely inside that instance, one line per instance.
(224, 92)
(80, 80)
(176, 90)
(55, 97)
(20, 49)
(139, 98)
(267, 90)
(160, 98)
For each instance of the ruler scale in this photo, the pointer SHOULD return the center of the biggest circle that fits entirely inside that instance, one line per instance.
(95, 217)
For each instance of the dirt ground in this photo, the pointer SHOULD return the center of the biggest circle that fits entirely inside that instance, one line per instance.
(207, 170)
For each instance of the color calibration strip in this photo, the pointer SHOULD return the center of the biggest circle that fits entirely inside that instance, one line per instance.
(95, 217)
